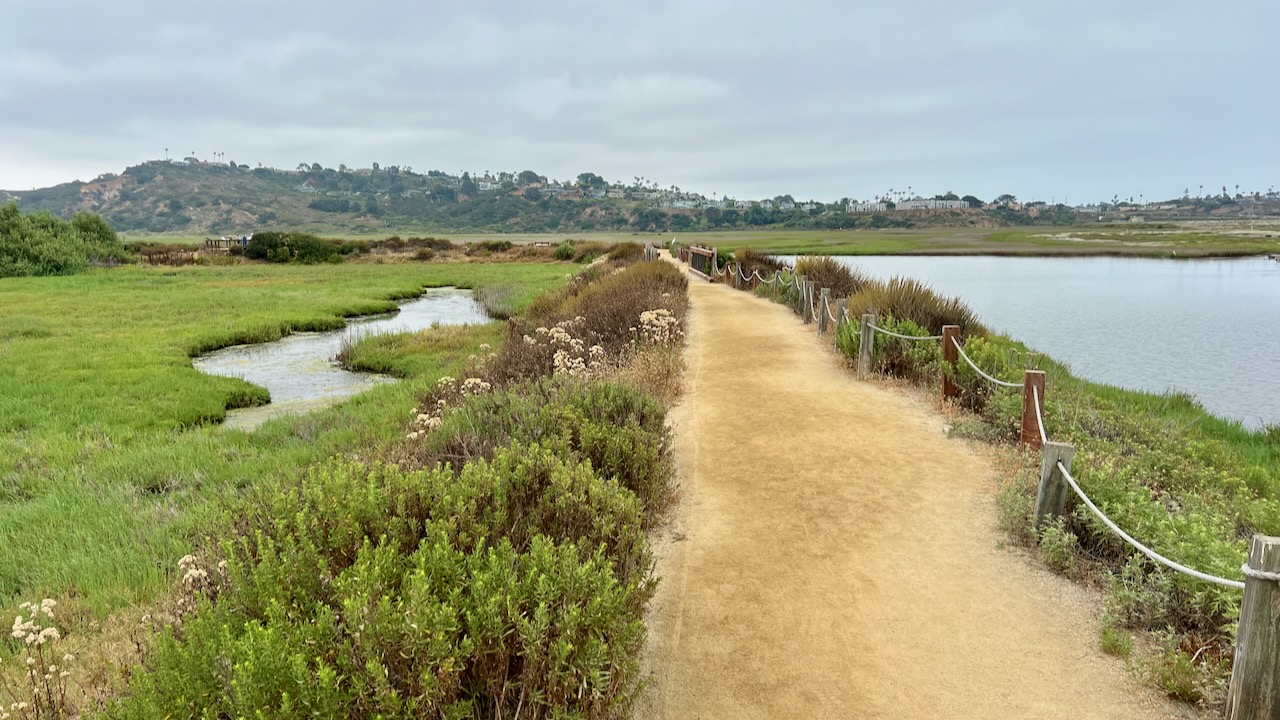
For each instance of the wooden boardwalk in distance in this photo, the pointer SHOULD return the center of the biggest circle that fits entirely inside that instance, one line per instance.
(836, 556)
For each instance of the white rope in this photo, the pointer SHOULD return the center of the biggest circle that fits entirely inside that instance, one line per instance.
(1035, 396)
(831, 314)
(1259, 574)
(1139, 546)
(978, 370)
(906, 337)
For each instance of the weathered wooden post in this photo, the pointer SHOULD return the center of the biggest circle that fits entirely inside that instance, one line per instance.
(1254, 693)
(950, 356)
(806, 292)
(842, 306)
(824, 310)
(866, 339)
(1051, 498)
(1032, 380)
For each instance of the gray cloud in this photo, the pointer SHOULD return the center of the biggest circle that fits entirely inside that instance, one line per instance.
(817, 99)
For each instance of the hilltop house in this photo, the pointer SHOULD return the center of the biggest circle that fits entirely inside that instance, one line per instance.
(857, 208)
(921, 204)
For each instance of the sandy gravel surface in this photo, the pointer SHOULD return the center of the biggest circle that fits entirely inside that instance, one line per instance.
(836, 556)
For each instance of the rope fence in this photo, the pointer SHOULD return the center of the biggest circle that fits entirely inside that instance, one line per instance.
(1157, 557)
(980, 371)
(904, 337)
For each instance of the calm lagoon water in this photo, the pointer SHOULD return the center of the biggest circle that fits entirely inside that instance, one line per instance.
(299, 370)
(1207, 327)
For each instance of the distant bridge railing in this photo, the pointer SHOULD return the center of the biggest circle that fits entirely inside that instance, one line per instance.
(1254, 693)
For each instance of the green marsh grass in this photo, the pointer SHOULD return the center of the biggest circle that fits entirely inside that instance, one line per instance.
(109, 452)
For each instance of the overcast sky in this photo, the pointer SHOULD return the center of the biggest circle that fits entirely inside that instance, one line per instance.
(1080, 100)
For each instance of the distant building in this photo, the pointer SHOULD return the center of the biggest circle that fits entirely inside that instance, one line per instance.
(858, 208)
(932, 205)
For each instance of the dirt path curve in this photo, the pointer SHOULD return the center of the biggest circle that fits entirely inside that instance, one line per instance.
(835, 555)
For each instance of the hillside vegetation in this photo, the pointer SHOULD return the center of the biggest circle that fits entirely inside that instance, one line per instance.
(199, 198)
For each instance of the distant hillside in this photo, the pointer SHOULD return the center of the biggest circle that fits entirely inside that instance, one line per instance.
(192, 197)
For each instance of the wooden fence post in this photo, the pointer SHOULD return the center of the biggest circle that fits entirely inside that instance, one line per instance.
(824, 308)
(1254, 692)
(950, 336)
(866, 339)
(842, 306)
(1052, 495)
(1032, 379)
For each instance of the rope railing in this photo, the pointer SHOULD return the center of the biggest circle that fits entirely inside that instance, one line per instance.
(890, 333)
(972, 364)
(1152, 554)
(1035, 396)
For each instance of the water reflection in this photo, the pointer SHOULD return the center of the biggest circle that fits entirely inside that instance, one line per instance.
(1207, 327)
(299, 372)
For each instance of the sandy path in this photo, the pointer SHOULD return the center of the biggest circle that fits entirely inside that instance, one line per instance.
(835, 555)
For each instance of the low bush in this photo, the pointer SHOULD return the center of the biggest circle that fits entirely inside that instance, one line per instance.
(626, 253)
(908, 299)
(564, 251)
(619, 430)
(607, 311)
(41, 244)
(588, 251)
(488, 247)
(753, 261)
(279, 247)
(828, 272)
(512, 588)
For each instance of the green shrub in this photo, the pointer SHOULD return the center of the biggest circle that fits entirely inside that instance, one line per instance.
(564, 251)
(913, 359)
(489, 246)
(588, 251)
(372, 592)
(828, 272)
(41, 244)
(908, 299)
(1057, 547)
(753, 261)
(303, 248)
(996, 358)
(626, 253)
(617, 429)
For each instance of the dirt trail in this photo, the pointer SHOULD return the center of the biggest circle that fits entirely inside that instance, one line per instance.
(835, 555)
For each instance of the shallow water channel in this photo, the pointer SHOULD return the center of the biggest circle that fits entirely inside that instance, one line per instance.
(299, 371)
(1207, 327)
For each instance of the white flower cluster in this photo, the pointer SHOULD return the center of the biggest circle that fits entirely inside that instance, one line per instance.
(571, 355)
(195, 581)
(448, 387)
(659, 327)
(31, 630)
(46, 682)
